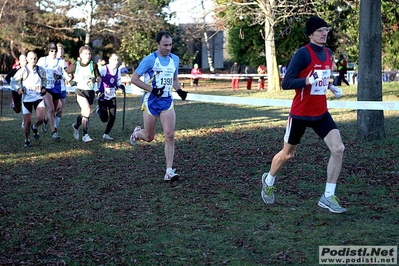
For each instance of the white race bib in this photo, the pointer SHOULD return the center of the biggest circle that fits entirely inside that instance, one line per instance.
(109, 93)
(321, 86)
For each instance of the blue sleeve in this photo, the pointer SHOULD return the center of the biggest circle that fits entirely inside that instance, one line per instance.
(145, 65)
(299, 61)
(176, 60)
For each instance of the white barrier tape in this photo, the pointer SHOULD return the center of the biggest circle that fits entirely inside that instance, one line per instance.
(221, 76)
(230, 76)
(364, 105)
(235, 100)
(361, 105)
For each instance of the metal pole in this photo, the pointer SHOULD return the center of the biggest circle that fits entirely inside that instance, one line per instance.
(124, 106)
(1, 108)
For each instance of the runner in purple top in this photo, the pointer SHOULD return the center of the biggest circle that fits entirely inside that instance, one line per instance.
(106, 94)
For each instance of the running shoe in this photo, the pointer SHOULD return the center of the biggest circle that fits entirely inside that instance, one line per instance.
(171, 175)
(75, 132)
(331, 203)
(267, 191)
(86, 138)
(55, 136)
(35, 133)
(22, 125)
(27, 144)
(107, 137)
(45, 126)
(133, 137)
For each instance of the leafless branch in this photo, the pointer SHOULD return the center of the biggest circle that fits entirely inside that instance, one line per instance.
(51, 27)
(393, 1)
(107, 30)
(2, 9)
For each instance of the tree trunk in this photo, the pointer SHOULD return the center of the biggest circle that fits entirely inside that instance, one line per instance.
(273, 76)
(370, 123)
(208, 52)
(89, 20)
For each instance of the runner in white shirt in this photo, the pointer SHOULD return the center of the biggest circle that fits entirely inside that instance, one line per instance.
(55, 80)
(29, 82)
(86, 76)
(64, 86)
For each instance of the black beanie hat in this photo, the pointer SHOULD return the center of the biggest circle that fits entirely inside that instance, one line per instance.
(314, 23)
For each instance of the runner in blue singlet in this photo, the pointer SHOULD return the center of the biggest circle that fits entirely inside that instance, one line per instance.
(160, 71)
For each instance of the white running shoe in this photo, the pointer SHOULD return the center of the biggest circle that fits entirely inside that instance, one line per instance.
(75, 132)
(86, 138)
(331, 203)
(55, 136)
(107, 137)
(267, 192)
(171, 175)
(133, 137)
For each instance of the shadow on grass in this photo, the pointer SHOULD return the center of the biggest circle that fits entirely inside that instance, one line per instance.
(76, 203)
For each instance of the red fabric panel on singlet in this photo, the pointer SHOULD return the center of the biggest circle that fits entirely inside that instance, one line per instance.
(304, 103)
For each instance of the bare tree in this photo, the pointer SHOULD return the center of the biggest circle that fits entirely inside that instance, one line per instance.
(203, 30)
(89, 10)
(206, 38)
(26, 25)
(271, 13)
(370, 122)
(82, 10)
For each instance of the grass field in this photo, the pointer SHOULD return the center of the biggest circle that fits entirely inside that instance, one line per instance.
(105, 203)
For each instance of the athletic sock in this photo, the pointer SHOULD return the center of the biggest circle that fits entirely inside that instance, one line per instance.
(270, 180)
(56, 120)
(85, 125)
(34, 129)
(330, 190)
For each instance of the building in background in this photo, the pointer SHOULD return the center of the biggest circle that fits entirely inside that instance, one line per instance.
(197, 47)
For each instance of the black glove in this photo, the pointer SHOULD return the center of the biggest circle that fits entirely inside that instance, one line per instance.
(73, 83)
(57, 77)
(121, 87)
(158, 91)
(94, 80)
(182, 94)
(99, 94)
(43, 91)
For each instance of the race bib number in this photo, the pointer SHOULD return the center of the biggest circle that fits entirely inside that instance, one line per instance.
(166, 82)
(50, 81)
(322, 80)
(109, 93)
(165, 79)
(33, 89)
